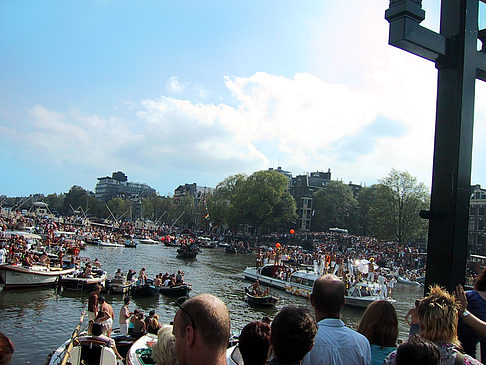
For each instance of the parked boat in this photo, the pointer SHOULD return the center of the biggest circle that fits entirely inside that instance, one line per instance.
(15, 276)
(176, 290)
(76, 282)
(130, 243)
(263, 301)
(141, 351)
(148, 241)
(171, 243)
(109, 244)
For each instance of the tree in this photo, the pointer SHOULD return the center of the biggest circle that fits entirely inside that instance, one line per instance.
(263, 201)
(395, 209)
(118, 207)
(365, 199)
(222, 209)
(334, 206)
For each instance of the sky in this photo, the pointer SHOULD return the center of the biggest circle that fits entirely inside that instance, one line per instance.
(175, 92)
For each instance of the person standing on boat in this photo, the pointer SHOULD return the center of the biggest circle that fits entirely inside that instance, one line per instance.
(93, 302)
(3, 255)
(124, 317)
(415, 323)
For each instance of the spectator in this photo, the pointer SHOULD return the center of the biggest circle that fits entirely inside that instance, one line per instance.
(93, 302)
(334, 343)
(415, 323)
(476, 304)
(438, 314)
(124, 317)
(163, 351)
(418, 351)
(202, 331)
(292, 335)
(379, 325)
(254, 342)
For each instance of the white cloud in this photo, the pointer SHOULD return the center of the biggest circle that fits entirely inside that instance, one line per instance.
(174, 86)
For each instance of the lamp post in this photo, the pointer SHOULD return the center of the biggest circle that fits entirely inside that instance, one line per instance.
(459, 63)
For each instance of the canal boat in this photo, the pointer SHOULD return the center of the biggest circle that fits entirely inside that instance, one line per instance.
(109, 244)
(266, 275)
(144, 291)
(17, 276)
(187, 252)
(76, 282)
(141, 351)
(180, 290)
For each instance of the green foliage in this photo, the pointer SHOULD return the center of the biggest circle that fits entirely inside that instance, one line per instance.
(334, 205)
(118, 208)
(396, 205)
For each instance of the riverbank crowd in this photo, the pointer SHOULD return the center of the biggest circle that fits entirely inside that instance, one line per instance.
(316, 335)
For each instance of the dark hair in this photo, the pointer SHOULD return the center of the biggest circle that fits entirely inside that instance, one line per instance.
(418, 351)
(6, 349)
(480, 283)
(126, 300)
(328, 294)
(254, 342)
(293, 332)
(101, 299)
(97, 329)
(379, 324)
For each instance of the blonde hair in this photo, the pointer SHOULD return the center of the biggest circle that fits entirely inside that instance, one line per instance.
(163, 352)
(438, 316)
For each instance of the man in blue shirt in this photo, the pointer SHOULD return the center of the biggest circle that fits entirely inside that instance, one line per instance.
(335, 343)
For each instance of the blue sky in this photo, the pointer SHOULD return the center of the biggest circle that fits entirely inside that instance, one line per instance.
(175, 92)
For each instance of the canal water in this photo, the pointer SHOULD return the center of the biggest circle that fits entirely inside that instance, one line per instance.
(39, 320)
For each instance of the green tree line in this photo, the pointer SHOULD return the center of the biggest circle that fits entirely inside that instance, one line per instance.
(262, 203)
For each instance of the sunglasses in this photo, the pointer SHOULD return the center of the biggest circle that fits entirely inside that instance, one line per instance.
(179, 303)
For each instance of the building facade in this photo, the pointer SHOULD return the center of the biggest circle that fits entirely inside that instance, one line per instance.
(118, 186)
(197, 192)
(477, 218)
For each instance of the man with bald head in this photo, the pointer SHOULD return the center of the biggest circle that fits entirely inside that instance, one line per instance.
(202, 331)
(335, 343)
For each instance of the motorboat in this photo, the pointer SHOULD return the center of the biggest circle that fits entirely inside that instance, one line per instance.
(148, 241)
(76, 282)
(364, 293)
(404, 280)
(130, 243)
(15, 276)
(141, 351)
(87, 351)
(144, 291)
(109, 244)
(118, 285)
(233, 356)
(187, 252)
(180, 290)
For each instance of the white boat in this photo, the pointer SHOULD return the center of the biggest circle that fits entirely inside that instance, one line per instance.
(406, 281)
(148, 241)
(233, 356)
(265, 275)
(301, 282)
(75, 282)
(141, 349)
(119, 286)
(37, 275)
(109, 244)
(85, 352)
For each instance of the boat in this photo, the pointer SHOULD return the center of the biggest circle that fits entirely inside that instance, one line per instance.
(109, 244)
(171, 243)
(187, 252)
(301, 282)
(16, 276)
(76, 282)
(263, 301)
(141, 351)
(180, 290)
(130, 243)
(86, 352)
(148, 241)
(406, 281)
(144, 291)
(233, 356)
(118, 286)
